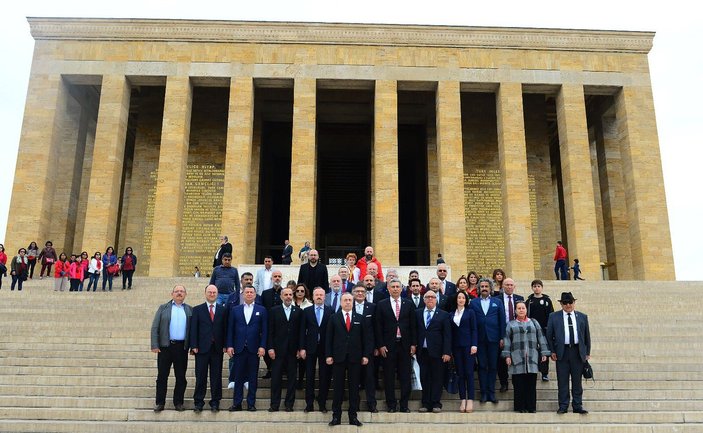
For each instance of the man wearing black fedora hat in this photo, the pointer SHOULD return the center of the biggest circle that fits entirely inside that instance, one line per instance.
(569, 339)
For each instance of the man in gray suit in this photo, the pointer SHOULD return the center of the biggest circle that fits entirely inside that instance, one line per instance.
(169, 340)
(334, 297)
(569, 339)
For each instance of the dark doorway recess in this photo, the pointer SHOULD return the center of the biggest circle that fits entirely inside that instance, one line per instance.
(412, 190)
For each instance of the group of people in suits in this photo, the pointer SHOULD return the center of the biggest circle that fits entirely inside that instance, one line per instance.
(349, 331)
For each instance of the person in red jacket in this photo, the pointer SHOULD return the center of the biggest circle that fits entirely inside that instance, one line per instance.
(364, 261)
(61, 273)
(3, 263)
(75, 273)
(560, 267)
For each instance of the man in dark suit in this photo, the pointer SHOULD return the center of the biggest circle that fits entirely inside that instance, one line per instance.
(435, 284)
(169, 340)
(208, 327)
(509, 298)
(313, 331)
(490, 320)
(395, 330)
(225, 247)
(283, 335)
(569, 339)
(448, 288)
(333, 298)
(369, 372)
(347, 285)
(313, 273)
(247, 329)
(348, 347)
(269, 299)
(287, 253)
(373, 294)
(415, 293)
(434, 343)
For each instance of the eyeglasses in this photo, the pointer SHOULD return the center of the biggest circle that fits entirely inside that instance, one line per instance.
(441, 270)
(566, 302)
(300, 291)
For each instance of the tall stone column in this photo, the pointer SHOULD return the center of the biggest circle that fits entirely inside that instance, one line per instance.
(100, 228)
(512, 154)
(303, 170)
(170, 183)
(33, 189)
(577, 180)
(385, 220)
(450, 163)
(650, 240)
(235, 203)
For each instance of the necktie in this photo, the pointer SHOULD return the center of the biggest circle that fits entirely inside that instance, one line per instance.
(319, 315)
(429, 317)
(212, 312)
(572, 337)
(397, 316)
(348, 322)
(511, 310)
(334, 302)
(287, 310)
(417, 300)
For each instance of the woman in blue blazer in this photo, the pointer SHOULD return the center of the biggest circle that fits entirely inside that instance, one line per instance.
(465, 342)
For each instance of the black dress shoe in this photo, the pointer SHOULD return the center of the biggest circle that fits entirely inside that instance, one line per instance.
(483, 399)
(373, 409)
(323, 409)
(251, 408)
(236, 408)
(391, 410)
(334, 422)
(308, 409)
(356, 422)
(581, 410)
(158, 407)
(273, 409)
(215, 408)
(198, 409)
(493, 400)
(503, 388)
(289, 408)
(561, 411)
(404, 410)
(180, 408)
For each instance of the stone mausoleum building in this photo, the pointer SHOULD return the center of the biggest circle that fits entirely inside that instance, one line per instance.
(485, 144)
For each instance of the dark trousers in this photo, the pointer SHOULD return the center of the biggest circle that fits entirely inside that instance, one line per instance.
(93, 282)
(464, 362)
(369, 377)
(47, 267)
(487, 366)
(75, 283)
(341, 371)
(324, 372)
(525, 397)
(288, 363)
(211, 361)
(107, 277)
(570, 367)
(17, 280)
(246, 368)
(397, 360)
(561, 270)
(32, 264)
(432, 378)
(544, 366)
(502, 370)
(127, 278)
(175, 355)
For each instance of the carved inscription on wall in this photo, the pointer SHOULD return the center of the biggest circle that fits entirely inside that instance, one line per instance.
(537, 259)
(484, 221)
(202, 216)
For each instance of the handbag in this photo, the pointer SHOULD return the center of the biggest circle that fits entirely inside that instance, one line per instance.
(452, 381)
(587, 370)
(113, 270)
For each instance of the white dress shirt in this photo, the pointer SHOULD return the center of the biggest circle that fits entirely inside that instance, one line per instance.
(566, 328)
(248, 311)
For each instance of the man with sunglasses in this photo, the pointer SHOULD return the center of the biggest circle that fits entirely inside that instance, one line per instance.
(569, 340)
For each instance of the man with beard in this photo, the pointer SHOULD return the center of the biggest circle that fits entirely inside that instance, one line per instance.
(366, 260)
(313, 273)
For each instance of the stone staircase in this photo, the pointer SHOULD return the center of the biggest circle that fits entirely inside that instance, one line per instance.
(80, 362)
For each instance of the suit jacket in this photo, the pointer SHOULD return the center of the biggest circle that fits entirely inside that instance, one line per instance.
(352, 345)
(311, 335)
(450, 288)
(348, 287)
(271, 297)
(161, 323)
(443, 302)
(438, 334)
(556, 334)
(516, 298)
(378, 295)
(235, 299)
(314, 276)
(329, 297)
(420, 304)
(386, 324)
(287, 253)
(369, 315)
(283, 334)
(242, 335)
(226, 248)
(259, 281)
(466, 333)
(491, 326)
(206, 334)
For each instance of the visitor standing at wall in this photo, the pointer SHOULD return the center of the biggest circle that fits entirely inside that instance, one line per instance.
(129, 265)
(19, 268)
(61, 273)
(560, 267)
(47, 257)
(109, 263)
(3, 263)
(94, 269)
(32, 254)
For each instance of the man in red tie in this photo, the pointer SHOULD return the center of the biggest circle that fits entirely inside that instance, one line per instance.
(349, 344)
(207, 330)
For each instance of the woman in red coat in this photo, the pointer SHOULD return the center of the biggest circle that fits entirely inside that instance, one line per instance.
(61, 273)
(3, 263)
